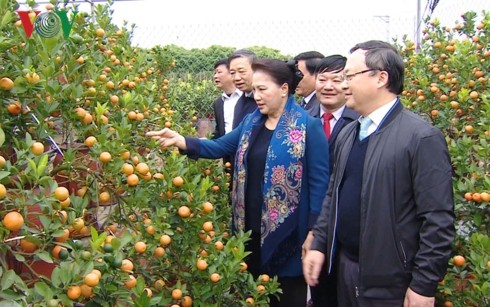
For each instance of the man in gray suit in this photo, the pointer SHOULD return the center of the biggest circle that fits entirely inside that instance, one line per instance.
(307, 62)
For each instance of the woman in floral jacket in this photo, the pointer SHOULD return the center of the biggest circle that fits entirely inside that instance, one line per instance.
(280, 178)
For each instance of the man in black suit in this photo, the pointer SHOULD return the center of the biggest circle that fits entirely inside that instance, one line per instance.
(224, 106)
(240, 65)
(307, 62)
(335, 116)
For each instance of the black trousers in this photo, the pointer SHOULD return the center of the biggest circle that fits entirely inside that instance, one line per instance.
(325, 293)
(293, 292)
(348, 281)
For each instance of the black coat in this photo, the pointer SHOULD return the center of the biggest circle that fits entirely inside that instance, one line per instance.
(219, 117)
(313, 104)
(244, 106)
(407, 218)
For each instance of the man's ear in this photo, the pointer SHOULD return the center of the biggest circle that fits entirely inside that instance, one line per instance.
(383, 78)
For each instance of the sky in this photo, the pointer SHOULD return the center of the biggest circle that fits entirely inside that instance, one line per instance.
(197, 11)
(281, 25)
(290, 26)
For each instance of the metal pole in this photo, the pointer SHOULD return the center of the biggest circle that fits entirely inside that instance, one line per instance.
(386, 20)
(418, 23)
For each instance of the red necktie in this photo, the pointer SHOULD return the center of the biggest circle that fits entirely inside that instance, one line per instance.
(326, 123)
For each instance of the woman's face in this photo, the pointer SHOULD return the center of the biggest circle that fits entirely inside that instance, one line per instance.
(269, 96)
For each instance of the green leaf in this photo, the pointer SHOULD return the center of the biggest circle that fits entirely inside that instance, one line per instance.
(9, 303)
(43, 289)
(44, 256)
(7, 279)
(45, 221)
(76, 38)
(28, 138)
(55, 277)
(2, 136)
(4, 174)
(32, 166)
(125, 240)
(51, 44)
(97, 240)
(58, 233)
(66, 273)
(116, 243)
(41, 166)
(7, 18)
(19, 257)
(477, 218)
(126, 98)
(20, 284)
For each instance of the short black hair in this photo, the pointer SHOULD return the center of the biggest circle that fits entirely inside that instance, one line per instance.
(311, 58)
(383, 56)
(242, 53)
(331, 63)
(221, 62)
(309, 55)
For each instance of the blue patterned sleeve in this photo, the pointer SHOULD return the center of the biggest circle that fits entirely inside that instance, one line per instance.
(214, 148)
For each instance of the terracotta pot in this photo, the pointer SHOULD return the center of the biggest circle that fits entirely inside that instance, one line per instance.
(37, 268)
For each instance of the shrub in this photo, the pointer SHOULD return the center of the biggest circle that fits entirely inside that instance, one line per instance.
(447, 83)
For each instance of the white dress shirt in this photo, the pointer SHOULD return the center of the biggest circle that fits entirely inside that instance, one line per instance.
(378, 115)
(229, 103)
(308, 98)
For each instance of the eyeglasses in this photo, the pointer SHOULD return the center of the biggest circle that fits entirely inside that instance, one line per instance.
(348, 77)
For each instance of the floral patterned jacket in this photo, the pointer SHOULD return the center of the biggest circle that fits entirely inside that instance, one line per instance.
(296, 179)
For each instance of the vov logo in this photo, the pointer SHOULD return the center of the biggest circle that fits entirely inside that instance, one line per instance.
(47, 24)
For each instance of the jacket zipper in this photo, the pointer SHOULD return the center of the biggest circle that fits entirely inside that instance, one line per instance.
(334, 230)
(335, 222)
(363, 219)
(404, 256)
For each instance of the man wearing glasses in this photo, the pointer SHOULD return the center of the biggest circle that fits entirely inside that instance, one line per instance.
(387, 219)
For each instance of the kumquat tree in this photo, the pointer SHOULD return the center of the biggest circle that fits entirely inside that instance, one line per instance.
(93, 212)
(448, 83)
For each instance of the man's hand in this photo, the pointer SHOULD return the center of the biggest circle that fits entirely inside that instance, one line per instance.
(307, 244)
(312, 266)
(413, 299)
(167, 137)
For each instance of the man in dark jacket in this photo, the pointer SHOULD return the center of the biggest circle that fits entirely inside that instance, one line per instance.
(330, 94)
(307, 62)
(224, 106)
(240, 65)
(335, 116)
(387, 219)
